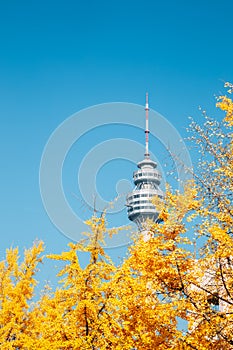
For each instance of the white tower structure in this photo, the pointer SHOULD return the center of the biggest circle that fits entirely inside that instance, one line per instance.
(147, 180)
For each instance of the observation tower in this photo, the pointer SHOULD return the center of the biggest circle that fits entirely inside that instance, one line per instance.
(147, 180)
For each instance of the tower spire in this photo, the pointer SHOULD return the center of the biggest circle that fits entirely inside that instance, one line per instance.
(147, 180)
(147, 155)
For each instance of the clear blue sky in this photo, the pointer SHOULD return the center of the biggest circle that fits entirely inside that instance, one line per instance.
(59, 57)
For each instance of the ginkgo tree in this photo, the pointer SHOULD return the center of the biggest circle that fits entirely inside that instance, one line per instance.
(17, 283)
(164, 295)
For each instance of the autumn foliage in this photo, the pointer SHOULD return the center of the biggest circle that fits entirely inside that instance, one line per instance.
(172, 291)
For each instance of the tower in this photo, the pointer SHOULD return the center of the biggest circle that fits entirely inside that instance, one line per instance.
(147, 180)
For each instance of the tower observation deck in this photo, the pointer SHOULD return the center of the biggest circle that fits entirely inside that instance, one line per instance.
(147, 180)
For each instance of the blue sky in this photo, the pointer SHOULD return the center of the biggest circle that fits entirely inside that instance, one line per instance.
(60, 57)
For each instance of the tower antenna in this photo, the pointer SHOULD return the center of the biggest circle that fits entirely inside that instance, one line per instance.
(147, 155)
